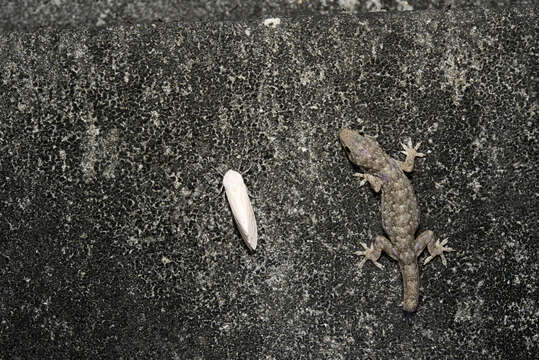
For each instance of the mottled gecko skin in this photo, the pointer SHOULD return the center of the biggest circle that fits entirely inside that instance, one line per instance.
(400, 213)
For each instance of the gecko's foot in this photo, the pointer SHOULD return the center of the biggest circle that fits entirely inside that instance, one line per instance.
(371, 254)
(364, 176)
(437, 248)
(410, 150)
(375, 182)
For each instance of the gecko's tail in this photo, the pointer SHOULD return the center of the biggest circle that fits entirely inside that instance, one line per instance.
(410, 281)
(409, 317)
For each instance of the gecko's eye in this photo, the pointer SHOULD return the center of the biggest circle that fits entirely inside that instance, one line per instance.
(347, 149)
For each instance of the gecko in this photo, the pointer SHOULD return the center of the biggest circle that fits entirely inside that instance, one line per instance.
(400, 212)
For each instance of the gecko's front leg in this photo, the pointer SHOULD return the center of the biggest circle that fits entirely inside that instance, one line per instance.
(411, 153)
(374, 182)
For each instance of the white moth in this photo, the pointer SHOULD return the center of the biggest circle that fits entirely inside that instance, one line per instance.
(236, 193)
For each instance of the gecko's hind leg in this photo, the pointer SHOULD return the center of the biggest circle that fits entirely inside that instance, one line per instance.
(426, 239)
(374, 251)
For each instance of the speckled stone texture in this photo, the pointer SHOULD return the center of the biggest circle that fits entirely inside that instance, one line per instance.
(117, 242)
(28, 15)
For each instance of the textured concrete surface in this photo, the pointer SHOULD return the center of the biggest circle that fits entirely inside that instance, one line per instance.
(116, 241)
(27, 15)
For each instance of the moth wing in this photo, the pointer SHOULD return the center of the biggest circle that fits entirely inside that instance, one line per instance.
(243, 214)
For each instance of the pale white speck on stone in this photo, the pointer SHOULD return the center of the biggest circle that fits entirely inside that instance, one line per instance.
(238, 198)
(272, 22)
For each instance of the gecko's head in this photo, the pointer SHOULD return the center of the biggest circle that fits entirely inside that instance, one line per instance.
(362, 150)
